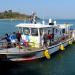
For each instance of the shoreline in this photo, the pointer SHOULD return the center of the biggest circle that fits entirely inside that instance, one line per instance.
(14, 19)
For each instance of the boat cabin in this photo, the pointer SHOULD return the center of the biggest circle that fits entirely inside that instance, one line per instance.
(33, 33)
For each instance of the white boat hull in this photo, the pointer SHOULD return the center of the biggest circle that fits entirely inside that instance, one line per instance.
(36, 54)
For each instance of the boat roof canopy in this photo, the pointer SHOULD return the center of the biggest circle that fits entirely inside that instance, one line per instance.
(33, 25)
(39, 25)
(62, 26)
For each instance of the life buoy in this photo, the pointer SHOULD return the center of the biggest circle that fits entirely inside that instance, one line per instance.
(47, 55)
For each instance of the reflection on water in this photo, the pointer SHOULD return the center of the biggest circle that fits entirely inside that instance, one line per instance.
(61, 63)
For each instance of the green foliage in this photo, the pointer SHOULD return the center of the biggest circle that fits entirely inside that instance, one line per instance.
(13, 15)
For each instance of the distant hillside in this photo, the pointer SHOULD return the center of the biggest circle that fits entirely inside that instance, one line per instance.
(15, 15)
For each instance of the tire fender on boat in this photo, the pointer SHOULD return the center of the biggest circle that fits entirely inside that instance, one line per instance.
(46, 54)
(62, 47)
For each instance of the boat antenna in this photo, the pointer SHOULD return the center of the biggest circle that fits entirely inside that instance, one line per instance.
(33, 18)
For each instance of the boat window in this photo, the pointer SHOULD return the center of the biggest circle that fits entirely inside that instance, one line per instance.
(46, 30)
(63, 30)
(34, 31)
(60, 32)
(56, 30)
(26, 31)
(20, 30)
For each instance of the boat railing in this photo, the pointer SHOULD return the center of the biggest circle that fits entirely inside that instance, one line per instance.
(27, 46)
(6, 49)
(61, 39)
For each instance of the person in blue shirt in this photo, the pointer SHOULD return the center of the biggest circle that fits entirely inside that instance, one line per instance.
(7, 37)
(13, 38)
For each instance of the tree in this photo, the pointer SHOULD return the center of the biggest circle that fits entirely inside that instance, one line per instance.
(10, 11)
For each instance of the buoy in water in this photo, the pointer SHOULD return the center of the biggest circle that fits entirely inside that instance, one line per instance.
(47, 55)
(62, 47)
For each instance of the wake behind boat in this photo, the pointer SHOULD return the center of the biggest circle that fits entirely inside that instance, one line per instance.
(38, 40)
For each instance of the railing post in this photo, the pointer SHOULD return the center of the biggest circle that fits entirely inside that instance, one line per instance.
(19, 50)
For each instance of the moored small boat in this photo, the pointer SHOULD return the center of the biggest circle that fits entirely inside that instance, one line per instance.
(38, 40)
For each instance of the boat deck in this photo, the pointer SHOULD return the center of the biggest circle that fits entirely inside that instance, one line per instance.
(18, 51)
(24, 50)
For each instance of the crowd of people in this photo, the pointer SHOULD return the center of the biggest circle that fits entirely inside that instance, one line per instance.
(47, 39)
(12, 39)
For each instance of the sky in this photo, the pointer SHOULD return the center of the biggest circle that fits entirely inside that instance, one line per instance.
(58, 9)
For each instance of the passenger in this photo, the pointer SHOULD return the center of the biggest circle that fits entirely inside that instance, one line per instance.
(13, 38)
(8, 42)
(49, 38)
(18, 35)
(45, 38)
(7, 38)
(52, 35)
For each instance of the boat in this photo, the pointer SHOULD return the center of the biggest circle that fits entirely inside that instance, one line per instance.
(32, 44)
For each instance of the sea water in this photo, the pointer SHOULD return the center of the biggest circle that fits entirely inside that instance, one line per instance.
(61, 63)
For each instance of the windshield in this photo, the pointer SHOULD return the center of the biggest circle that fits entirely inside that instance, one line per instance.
(26, 31)
(34, 31)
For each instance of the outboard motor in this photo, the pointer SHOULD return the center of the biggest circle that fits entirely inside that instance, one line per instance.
(51, 22)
